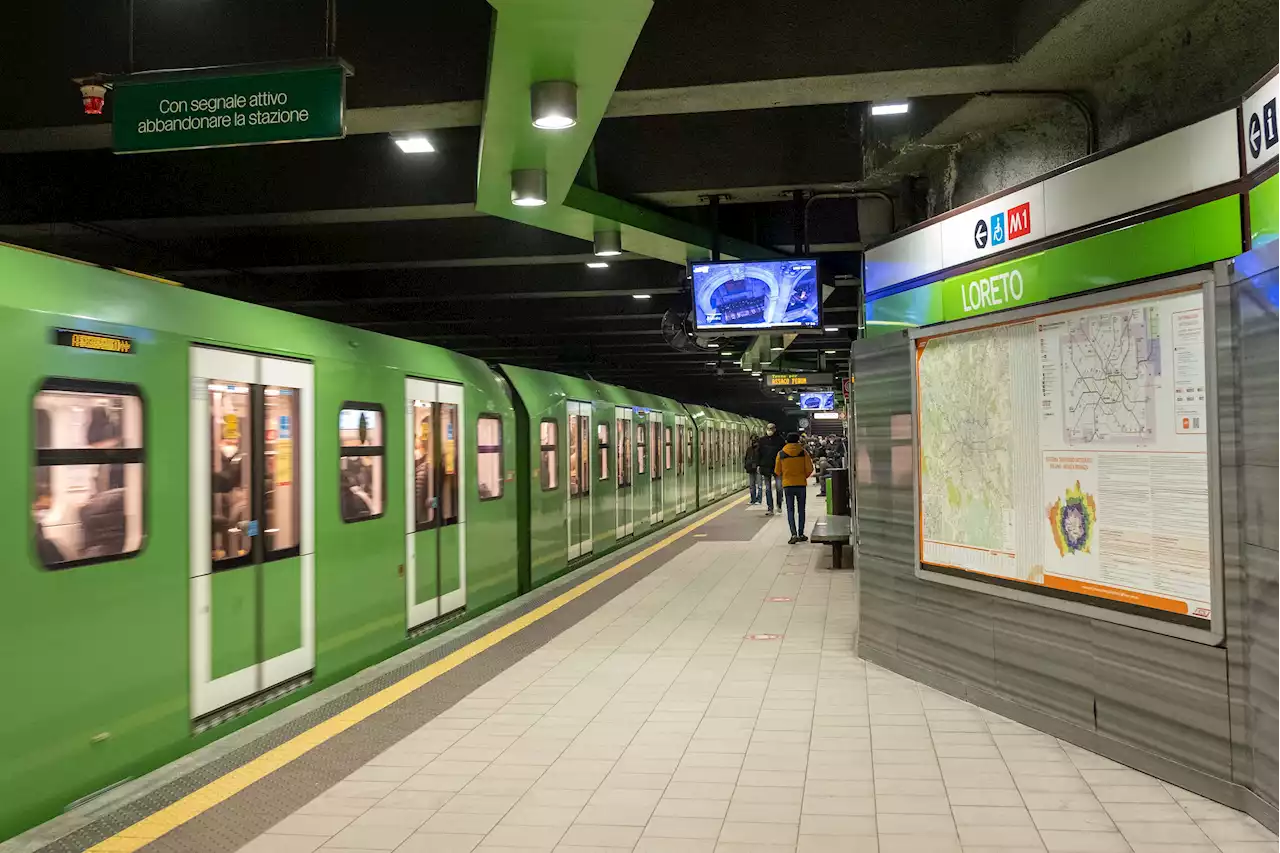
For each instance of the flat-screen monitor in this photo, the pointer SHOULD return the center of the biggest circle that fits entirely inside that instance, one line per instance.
(756, 295)
(818, 401)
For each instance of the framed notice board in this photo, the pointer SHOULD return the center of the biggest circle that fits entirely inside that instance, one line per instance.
(1067, 456)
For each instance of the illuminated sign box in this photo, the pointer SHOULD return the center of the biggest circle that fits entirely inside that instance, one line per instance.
(218, 107)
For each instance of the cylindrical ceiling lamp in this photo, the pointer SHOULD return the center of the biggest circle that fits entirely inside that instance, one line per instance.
(608, 243)
(554, 104)
(529, 187)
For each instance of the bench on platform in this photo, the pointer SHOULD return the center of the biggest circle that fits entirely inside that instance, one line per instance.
(833, 530)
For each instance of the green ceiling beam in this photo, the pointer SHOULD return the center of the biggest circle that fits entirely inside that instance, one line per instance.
(588, 42)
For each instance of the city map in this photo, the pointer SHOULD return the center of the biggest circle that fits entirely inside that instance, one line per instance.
(965, 430)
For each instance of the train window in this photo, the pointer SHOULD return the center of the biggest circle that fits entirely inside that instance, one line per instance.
(549, 441)
(282, 498)
(655, 470)
(688, 445)
(666, 444)
(435, 464)
(624, 453)
(489, 457)
(231, 474)
(602, 443)
(449, 426)
(575, 464)
(361, 451)
(424, 465)
(641, 446)
(89, 472)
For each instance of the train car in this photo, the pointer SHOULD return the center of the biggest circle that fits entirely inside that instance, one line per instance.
(212, 504)
(722, 441)
(217, 508)
(607, 464)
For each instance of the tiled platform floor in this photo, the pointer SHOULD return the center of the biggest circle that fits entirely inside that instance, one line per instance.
(717, 705)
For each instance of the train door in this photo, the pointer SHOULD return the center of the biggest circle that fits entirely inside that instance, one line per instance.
(623, 434)
(660, 453)
(579, 508)
(689, 489)
(641, 485)
(435, 478)
(252, 560)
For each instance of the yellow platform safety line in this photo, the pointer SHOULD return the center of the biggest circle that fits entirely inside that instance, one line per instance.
(197, 802)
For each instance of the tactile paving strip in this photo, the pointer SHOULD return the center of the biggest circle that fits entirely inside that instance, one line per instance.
(234, 822)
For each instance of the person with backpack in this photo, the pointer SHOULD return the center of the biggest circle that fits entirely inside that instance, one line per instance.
(794, 466)
(770, 446)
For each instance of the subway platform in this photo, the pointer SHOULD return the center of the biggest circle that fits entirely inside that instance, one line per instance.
(697, 692)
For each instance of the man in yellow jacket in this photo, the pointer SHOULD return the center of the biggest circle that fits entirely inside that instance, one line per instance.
(795, 467)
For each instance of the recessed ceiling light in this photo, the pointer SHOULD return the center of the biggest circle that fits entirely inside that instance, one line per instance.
(776, 349)
(830, 352)
(711, 364)
(415, 143)
(714, 345)
(894, 109)
(639, 296)
(598, 265)
(833, 328)
(755, 373)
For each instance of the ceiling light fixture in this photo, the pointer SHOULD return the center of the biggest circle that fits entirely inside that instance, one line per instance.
(608, 243)
(755, 373)
(597, 265)
(830, 352)
(714, 345)
(639, 296)
(894, 109)
(553, 104)
(529, 187)
(415, 143)
(833, 328)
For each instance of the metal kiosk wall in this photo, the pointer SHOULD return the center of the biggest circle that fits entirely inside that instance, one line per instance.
(1056, 518)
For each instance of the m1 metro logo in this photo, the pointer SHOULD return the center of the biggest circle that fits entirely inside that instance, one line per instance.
(1005, 226)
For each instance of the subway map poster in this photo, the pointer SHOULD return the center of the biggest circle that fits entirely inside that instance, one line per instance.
(1070, 453)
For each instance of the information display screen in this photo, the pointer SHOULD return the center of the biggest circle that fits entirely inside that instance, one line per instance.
(756, 295)
(818, 401)
(1070, 453)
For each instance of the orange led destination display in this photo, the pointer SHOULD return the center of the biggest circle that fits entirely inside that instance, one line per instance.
(776, 380)
(94, 341)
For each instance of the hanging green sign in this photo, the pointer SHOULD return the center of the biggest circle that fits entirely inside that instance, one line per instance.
(213, 108)
(1183, 240)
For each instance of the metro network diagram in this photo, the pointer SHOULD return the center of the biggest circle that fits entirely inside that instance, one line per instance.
(1110, 364)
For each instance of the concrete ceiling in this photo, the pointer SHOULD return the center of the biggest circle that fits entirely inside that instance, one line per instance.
(749, 98)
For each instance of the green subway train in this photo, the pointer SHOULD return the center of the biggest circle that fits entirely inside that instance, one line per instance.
(216, 508)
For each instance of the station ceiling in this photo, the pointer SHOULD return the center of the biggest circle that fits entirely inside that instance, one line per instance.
(752, 99)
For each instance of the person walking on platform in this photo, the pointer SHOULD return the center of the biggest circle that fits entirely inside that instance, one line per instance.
(794, 466)
(751, 464)
(770, 445)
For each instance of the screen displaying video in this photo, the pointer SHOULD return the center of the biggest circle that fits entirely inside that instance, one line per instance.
(756, 295)
(818, 401)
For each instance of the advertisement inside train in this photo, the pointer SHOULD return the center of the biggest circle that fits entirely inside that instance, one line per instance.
(1070, 453)
(755, 295)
